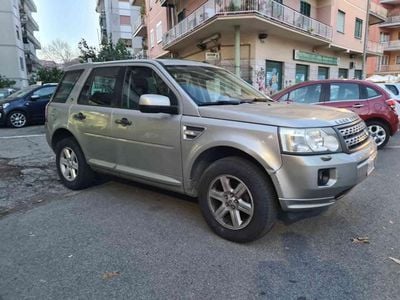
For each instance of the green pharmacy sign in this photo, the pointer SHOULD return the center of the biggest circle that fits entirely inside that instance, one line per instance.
(315, 58)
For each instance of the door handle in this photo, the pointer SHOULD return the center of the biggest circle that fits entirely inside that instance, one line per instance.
(123, 122)
(79, 116)
(358, 105)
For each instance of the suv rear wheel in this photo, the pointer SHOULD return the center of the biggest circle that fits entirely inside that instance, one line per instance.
(237, 199)
(17, 119)
(72, 168)
(379, 132)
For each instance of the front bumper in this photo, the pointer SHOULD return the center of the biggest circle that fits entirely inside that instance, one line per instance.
(297, 185)
(2, 118)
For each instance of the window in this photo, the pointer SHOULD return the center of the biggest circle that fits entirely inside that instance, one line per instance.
(392, 88)
(384, 37)
(159, 32)
(340, 21)
(343, 73)
(17, 30)
(101, 88)
(344, 91)
(397, 60)
(65, 87)
(301, 73)
(305, 8)
(358, 74)
(142, 80)
(307, 94)
(151, 38)
(323, 73)
(385, 60)
(358, 28)
(45, 92)
(181, 15)
(21, 63)
(371, 93)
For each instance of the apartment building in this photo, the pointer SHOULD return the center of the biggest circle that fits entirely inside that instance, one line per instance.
(270, 43)
(117, 20)
(387, 34)
(18, 43)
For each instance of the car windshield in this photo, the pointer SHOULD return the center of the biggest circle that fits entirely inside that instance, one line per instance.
(213, 86)
(23, 92)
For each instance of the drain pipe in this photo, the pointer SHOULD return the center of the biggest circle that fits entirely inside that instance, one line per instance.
(237, 50)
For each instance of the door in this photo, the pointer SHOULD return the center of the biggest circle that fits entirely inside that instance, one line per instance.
(273, 77)
(301, 73)
(347, 95)
(38, 101)
(308, 94)
(90, 118)
(323, 73)
(148, 143)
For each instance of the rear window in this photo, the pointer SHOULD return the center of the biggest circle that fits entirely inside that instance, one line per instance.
(66, 85)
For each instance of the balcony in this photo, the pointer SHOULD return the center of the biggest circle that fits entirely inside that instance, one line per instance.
(377, 14)
(32, 23)
(137, 2)
(391, 45)
(252, 16)
(391, 22)
(139, 27)
(142, 54)
(29, 35)
(31, 5)
(388, 69)
(374, 48)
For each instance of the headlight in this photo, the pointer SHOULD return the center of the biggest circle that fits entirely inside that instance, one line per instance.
(310, 140)
(3, 106)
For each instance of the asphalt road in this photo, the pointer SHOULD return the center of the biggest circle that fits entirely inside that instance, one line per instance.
(120, 240)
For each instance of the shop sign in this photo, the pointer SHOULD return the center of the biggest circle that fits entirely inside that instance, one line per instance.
(315, 58)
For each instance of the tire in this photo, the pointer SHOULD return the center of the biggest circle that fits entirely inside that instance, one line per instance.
(379, 132)
(72, 168)
(251, 196)
(17, 119)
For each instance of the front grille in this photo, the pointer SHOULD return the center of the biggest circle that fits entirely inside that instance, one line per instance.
(354, 135)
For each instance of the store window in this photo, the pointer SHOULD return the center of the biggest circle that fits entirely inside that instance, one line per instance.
(273, 77)
(301, 73)
(358, 74)
(323, 73)
(343, 73)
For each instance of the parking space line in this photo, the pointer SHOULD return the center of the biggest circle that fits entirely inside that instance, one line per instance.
(20, 136)
(393, 147)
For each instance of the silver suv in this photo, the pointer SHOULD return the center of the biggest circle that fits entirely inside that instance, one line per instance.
(199, 130)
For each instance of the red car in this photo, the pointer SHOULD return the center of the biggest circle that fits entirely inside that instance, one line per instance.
(371, 102)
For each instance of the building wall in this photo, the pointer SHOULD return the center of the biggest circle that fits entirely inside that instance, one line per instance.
(156, 14)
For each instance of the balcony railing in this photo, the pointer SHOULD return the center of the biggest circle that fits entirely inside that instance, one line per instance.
(388, 68)
(139, 22)
(142, 54)
(375, 47)
(271, 10)
(391, 45)
(378, 10)
(391, 21)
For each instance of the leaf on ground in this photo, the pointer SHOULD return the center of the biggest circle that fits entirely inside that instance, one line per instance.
(395, 260)
(360, 240)
(109, 275)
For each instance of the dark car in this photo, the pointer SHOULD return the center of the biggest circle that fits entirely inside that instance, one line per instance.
(26, 106)
(370, 101)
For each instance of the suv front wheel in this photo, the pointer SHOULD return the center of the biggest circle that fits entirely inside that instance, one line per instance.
(72, 168)
(237, 199)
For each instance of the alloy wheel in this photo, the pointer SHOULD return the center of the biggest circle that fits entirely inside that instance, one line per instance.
(378, 133)
(17, 119)
(230, 202)
(69, 165)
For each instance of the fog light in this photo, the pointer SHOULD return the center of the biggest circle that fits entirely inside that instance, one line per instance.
(323, 177)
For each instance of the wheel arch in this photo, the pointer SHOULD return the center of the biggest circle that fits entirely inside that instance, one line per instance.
(380, 120)
(60, 134)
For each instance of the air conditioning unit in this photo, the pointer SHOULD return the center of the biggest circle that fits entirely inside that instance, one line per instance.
(211, 56)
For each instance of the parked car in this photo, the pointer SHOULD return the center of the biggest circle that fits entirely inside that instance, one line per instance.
(197, 129)
(371, 102)
(394, 90)
(26, 106)
(4, 93)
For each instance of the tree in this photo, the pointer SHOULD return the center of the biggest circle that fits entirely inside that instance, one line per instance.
(49, 75)
(108, 51)
(5, 82)
(87, 52)
(59, 51)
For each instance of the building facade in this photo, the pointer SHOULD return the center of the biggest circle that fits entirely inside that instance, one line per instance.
(387, 35)
(18, 43)
(117, 21)
(270, 43)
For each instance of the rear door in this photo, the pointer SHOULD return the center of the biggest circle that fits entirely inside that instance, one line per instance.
(347, 95)
(308, 94)
(148, 143)
(90, 118)
(37, 103)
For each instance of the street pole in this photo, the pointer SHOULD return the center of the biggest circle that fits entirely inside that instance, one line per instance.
(237, 50)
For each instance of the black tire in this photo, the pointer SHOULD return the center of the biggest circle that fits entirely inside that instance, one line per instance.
(264, 198)
(17, 119)
(382, 125)
(84, 175)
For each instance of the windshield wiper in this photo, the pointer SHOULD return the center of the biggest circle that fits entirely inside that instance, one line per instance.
(256, 100)
(221, 102)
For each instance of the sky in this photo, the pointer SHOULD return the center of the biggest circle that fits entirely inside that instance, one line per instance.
(67, 20)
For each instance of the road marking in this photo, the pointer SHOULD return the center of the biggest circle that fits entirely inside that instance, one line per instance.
(20, 136)
(393, 147)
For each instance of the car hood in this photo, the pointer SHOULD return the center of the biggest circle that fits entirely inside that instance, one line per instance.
(280, 114)
(9, 100)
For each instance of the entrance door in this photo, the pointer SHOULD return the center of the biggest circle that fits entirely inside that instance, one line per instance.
(301, 73)
(273, 76)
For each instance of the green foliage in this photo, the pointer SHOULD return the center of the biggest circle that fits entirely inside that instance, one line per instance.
(87, 52)
(5, 82)
(48, 75)
(108, 51)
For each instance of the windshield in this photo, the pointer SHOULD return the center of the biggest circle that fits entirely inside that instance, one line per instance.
(212, 86)
(23, 92)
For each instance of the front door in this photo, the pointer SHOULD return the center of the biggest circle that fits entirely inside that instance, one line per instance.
(148, 143)
(39, 99)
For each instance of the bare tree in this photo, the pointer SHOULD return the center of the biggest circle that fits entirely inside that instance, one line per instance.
(58, 51)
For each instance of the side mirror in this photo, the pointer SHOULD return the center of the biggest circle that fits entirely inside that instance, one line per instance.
(35, 97)
(151, 103)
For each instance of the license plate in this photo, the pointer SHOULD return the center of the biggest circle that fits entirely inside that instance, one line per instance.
(371, 166)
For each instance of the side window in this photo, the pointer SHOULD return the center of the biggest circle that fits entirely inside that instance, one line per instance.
(45, 92)
(392, 88)
(102, 87)
(66, 85)
(344, 91)
(371, 93)
(306, 94)
(143, 80)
